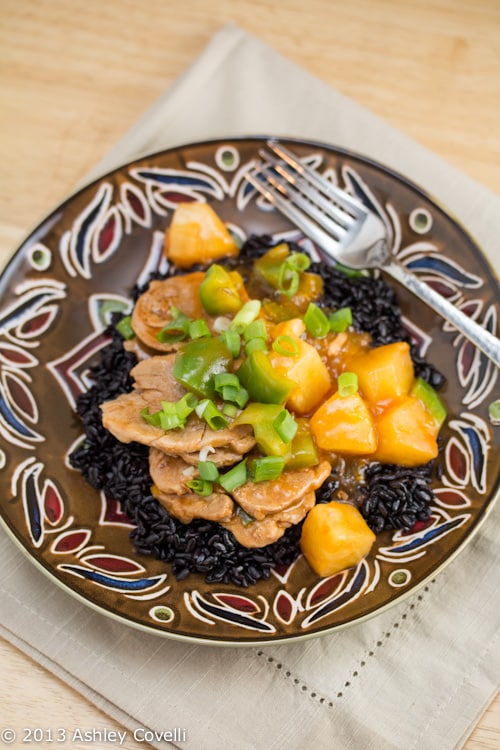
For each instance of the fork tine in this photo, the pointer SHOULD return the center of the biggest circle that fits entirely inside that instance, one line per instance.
(339, 215)
(306, 203)
(345, 200)
(296, 216)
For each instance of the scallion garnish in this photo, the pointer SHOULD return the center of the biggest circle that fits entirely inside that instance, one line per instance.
(246, 315)
(289, 272)
(233, 342)
(124, 327)
(255, 345)
(316, 322)
(176, 330)
(238, 396)
(255, 330)
(208, 411)
(286, 345)
(235, 477)
(200, 487)
(347, 384)
(225, 378)
(285, 425)
(266, 468)
(198, 329)
(208, 471)
(340, 320)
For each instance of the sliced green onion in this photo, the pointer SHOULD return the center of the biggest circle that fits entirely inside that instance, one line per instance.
(299, 261)
(169, 420)
(208, 471)
(233, 342)
(200, 487)
(124, 327)
(235, 477)
(186, 405)
(176, 330)
(153, 419)
(238, 396)
(198, 329)
(246, 315)
(285, 425)
(340, 320)
(266, 468)
(223, 379)
(316, 322)
(255, 345)
(208, 411)
(347, 384)
(289, 273)
(255, 330)
(230, 410)
(286, 345)
(288, 280)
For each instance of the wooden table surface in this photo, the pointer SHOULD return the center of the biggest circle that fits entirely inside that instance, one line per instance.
(76, 75)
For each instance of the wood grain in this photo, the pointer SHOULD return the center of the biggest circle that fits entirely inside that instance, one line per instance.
(75, 76)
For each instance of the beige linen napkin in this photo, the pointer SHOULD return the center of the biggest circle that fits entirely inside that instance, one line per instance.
(414, 678)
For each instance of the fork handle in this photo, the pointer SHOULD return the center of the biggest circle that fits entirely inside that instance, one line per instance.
(479, 336)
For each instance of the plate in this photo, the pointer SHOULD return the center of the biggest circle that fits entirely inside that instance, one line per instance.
(79, 266)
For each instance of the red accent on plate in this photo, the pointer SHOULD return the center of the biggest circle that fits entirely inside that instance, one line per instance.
(71, 542)
(444, 289)
(16, 356)
(36, 323)
(175, 197)
(458, 461)
(467, 357)
(418, 526)
(325, 589)
(107, 234)
(450, 497)
(113, 512)
(113, 564)
(20, 396)
(53, 504)
(284, 606)
(240, 603)
(135, 204)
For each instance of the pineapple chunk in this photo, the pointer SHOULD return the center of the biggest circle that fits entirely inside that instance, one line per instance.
(335, 536)
(344, 424)
(385, 372)
(306, 368)
(406, 433)
(197, 235)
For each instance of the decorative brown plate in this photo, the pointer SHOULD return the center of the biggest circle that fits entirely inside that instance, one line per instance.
(56, 298)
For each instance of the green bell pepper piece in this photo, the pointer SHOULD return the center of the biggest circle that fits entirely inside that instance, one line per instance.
(263, 383)
(218, 293)
(430, 399)
(198, 362)
(261, 417)
(304, 452)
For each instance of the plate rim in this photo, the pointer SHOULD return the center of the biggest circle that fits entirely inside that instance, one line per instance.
(52, 216)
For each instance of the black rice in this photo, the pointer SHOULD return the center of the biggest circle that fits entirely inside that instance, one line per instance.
(390, 497)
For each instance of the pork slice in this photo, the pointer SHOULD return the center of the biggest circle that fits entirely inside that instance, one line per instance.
(156, 375)
(215, 507)
(122, 417)
(271, 528)
(152, 309)
(170, 473)
(263, 498)
(219, 456)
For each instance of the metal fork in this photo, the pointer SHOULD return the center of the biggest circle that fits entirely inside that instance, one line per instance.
(350, 233)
